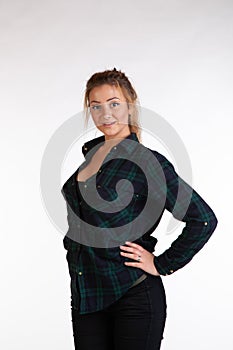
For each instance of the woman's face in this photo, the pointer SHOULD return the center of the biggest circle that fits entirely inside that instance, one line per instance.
(109, 111)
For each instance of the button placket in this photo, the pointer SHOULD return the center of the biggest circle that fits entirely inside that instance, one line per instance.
(85, 186)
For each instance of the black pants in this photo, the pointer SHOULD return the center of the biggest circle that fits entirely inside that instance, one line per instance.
(135, 321)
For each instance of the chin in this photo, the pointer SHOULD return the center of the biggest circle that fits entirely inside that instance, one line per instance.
(116, 130)
(110, 131)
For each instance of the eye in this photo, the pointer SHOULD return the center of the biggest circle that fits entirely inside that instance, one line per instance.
(115, 104)
(96, 107)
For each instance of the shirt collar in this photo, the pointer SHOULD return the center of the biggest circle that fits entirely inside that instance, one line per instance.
(127, 146)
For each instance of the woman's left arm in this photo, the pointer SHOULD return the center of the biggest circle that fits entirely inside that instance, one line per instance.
(192, 209)
(188, 206)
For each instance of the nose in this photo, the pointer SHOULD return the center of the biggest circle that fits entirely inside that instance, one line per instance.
(106, 111)
(107, 116)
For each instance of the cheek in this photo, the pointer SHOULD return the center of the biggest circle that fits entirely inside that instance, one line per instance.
(122, 116)
(96, 120)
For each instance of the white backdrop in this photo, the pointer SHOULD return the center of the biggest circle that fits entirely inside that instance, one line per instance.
(178, 55)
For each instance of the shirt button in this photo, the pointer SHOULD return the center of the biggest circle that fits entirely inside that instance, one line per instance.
(205, 223)
(99, 171)
(85, 185)
(80, 273)
(99, 186)
(171, 271)
(115, 147)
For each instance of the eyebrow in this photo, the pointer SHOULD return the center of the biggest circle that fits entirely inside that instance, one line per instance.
(107, 100)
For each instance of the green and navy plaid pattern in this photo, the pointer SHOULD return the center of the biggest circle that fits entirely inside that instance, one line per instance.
(98, 275)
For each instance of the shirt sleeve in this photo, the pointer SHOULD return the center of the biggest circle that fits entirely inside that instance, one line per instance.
(199, 218)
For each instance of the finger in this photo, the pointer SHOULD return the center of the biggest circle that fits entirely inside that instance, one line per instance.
(131, 256)
(135, 245)
(128, 249)
(132, 251)
(135, 264)
(127, 254)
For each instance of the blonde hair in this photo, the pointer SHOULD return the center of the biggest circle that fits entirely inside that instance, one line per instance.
(119, 79)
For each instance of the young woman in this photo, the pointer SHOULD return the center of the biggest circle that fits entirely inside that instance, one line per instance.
(118, 299)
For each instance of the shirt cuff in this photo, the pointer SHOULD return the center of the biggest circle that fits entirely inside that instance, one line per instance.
(162, 271)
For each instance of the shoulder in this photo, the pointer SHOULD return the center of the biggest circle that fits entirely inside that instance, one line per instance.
(161, 158)
(160, 167)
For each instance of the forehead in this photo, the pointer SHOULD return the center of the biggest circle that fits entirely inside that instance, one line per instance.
(103, 92)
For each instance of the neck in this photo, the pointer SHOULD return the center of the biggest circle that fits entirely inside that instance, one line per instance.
(112, 141)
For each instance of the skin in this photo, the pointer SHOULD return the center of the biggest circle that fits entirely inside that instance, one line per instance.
(106, 94)
(109, 94)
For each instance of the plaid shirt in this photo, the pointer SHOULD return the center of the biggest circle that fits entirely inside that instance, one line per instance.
(98, 275)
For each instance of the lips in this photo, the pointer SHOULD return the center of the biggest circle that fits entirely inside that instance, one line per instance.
(109, 124)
